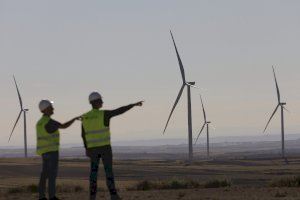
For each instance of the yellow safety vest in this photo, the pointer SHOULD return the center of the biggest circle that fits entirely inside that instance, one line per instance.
(46, 142)
(96, 133)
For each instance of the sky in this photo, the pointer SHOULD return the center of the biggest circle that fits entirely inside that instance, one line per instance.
(64, 49)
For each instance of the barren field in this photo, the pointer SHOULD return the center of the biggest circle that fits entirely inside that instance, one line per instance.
(250, 179)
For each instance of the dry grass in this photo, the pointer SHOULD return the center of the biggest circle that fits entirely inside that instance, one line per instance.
(217, 183)
(33, 188)
(290, 181)
(175, 184)
(165, 185)
(159, 180)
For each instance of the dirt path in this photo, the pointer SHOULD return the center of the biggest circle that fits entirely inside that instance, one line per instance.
(199, 194)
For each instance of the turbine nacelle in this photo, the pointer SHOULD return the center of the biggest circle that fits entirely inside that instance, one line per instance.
(25, 109)
(191, 83)
(282, 104)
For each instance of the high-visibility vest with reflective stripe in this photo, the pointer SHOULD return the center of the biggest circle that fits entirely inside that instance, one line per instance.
(96, 133)
(46, 142)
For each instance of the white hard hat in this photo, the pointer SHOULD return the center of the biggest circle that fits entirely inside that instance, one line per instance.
(45, 104)
(94, 96)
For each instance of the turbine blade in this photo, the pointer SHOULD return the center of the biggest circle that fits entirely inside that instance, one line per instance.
(176, 101)
(15, 125)
(271, 117)
(213, 127)
(179, 59)
(204, 114)
(277, 88)
(200, 132)
(20, 99)
(286, 109)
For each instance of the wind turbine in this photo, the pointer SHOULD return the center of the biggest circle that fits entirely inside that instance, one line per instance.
(207, 128)
(22, 110)
(281, 104)
(189, 85)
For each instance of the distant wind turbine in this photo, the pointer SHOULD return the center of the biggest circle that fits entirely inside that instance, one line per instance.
(22, 110)
(281, 104)
(207, 128)
(189, 85)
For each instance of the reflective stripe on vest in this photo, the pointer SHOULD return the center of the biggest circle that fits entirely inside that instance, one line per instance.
(96, 133)
(47, 146)
(48, 136)
(99, 140)
(46, 142)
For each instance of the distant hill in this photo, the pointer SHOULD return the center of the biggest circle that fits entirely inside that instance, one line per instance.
(202, 139)
(226, 147)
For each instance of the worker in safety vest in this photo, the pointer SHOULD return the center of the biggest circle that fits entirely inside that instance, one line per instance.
(96, 138)
(47, 134)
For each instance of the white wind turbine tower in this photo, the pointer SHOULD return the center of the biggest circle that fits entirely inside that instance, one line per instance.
(207, 128)
(22, 110)
(188, 84)
(281, 104)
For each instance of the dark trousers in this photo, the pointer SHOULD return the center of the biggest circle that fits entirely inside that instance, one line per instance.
(49, 171)
(105, 153)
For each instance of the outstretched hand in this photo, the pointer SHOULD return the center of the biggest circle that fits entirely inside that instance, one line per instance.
(140, 103)
(69, 123)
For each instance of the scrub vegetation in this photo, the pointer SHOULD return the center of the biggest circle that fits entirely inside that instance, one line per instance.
(179, 184)
(160, 179)
(289, 181)
(33, 188)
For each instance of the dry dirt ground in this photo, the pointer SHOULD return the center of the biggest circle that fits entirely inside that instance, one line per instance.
(250, 178)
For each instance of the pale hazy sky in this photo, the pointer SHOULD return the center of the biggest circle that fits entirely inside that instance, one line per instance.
(63, 50)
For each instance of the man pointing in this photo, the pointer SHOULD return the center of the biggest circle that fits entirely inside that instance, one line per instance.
(96, 138)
